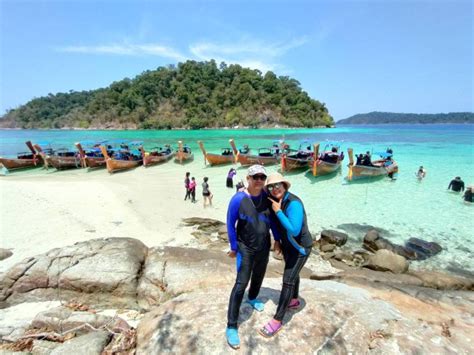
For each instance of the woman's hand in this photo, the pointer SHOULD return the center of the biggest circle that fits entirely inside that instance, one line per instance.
(276, 205)
(277, 248)
(231, 254)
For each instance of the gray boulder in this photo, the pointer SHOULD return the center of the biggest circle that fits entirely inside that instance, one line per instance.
(385, 260)
(5, 253)
(373, 242)
(329, 236)
(90, 344)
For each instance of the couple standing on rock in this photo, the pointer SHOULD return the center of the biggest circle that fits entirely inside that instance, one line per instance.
(265, 204)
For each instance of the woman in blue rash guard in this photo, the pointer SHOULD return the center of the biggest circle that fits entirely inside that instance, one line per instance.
(249, 219)
(296, 244)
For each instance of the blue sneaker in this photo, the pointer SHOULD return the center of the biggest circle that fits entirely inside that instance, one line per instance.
(232, 336)
(257, 304)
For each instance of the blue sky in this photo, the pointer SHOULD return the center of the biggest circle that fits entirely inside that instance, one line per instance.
(355, 56)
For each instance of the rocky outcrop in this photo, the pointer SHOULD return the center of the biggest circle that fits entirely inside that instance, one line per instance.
(334, 318)
(5, 253)
(92, 343)
(98, 271)
(373, 242)
(422, 249)
(332, 237)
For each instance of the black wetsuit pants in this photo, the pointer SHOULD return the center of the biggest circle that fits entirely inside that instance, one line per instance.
(294, 262)
(251, 266)
(188, 194)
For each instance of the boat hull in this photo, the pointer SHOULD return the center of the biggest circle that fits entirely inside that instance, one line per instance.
(246, 160)
(289, 164)
(94, 162)
(323, 167)
(217, 159)
(60, 163)
(149, 159)
(183, 158)
(12, 164)
(115, 165)
(362, 171)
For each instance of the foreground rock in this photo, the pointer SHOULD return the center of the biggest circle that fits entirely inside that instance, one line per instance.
(334, 318)
(385, 260)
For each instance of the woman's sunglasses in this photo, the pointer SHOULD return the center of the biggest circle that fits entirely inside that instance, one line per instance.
(259, 177)
(274, 186)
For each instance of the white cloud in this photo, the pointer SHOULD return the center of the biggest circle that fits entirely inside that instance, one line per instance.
(248, 53)
(127, 49)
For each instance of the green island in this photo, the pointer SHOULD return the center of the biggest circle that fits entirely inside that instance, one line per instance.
(190, 95)
(408, 118)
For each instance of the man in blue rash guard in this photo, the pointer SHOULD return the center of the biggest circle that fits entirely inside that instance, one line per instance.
(296, 244)
(249, 219)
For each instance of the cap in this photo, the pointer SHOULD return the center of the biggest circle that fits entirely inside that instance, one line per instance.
(256, 169)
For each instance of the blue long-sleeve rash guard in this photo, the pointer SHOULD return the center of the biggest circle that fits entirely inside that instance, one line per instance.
(292, 222)
(233, 215)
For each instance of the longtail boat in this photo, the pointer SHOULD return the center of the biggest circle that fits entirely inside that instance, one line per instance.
(61, 158)
(122, 159)
(296, 159)
(184, 154)
(156, 155)
(366, 168)
(264, 156)
(226, 156)
(23, 160)
(91, 155)
(328, 161)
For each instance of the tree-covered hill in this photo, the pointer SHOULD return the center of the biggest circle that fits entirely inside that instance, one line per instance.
(408, 118)
(189, 95)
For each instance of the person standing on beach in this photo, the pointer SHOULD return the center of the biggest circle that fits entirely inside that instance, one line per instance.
(230, 178)
(456, 184)
(206, 193)
(192, 189)
(249, 220)
(296, 244)
(187, 181)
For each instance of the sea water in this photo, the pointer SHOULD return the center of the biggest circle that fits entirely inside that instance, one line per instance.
(401, 208)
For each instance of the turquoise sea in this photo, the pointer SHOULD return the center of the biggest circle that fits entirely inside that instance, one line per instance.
(403, 208)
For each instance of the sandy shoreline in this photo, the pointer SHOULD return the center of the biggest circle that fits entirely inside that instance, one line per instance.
(42, 210)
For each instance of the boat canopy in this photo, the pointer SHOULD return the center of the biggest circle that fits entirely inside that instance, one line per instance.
(384, 154)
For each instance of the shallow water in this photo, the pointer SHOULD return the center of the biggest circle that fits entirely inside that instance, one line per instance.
(404, 208)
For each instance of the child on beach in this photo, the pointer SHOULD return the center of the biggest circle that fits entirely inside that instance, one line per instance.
(186, 186)
(192, 189)
(206, 193)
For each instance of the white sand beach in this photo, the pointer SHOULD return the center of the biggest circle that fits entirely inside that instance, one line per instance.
(42, 209)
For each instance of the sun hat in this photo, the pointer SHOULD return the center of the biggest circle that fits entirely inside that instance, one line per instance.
(275, 178)
(256, 169)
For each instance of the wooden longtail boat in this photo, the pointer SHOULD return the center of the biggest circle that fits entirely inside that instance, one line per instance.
(23, 160)
(327, 162)
(59, 159)
(264, 156)
(184, 154)
(121, 160)
(156, 155)
(296, 159)
(226, 157)
(91, 157)
(385, 166)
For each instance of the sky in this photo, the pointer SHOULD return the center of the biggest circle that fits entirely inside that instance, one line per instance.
(354, 56)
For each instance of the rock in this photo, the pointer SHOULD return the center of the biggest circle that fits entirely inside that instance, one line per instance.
(62, 319)
(91, 344)
(43, 347)
(373, 242)
(442, 281)
(5, 253)
(422, 249)
(334, 318)
(329, 236)
(328, 247)
(99, 271)
(385, 260)
(204, 224)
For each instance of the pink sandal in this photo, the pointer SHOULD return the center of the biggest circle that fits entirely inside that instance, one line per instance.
(270, 329)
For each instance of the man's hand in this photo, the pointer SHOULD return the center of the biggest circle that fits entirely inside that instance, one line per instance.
(231, 254)
(276, 205)
(277, 248)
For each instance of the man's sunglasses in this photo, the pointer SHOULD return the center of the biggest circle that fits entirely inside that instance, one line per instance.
(259, 177)
(274, 186)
